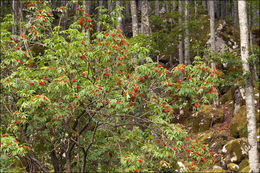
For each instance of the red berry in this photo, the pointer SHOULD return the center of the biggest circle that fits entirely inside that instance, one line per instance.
(3, 135)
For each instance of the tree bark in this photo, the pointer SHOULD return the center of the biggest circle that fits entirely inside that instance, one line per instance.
(156, 8)
(249, 92)
(110, 6)
(180, 34)
(119, 18)
(87, 6)
(145, 24)
(15, 16)
(134, 18)
(100, 3)
(212, 27)
(55, 162)
(187, 38)
(235, 14)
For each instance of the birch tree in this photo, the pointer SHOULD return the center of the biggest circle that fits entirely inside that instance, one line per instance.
(145, 24)
(134, 17)
(119, 17)
(180, 47)
(187, 38)
(249, 92)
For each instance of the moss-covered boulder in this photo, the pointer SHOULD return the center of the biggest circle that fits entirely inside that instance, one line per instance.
(233, 167)
(238, 124)
(246, 169)
(243, 164)
(228, 96)
(206, 118)
(235, 151)
(215, 171)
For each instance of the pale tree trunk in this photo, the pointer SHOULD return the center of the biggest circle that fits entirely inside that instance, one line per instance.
(187, 38)
(204, 4)
(212, 36)
(180, 34)
(180, 46)
(110, 6)
(15, 11)
(100, 3)
(134, 17)
(119, 18)
(87, 7)
(157, 8)
(145, 24)
(212, 28)
(196, 8)
(166, 5)
(249, 92)
(250, 18)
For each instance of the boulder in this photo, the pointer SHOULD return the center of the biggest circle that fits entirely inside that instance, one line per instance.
(238, 124)
(243, 164)
(246, 169)
(215, 171)
(233, 167)
(235, 151)
(206, 118)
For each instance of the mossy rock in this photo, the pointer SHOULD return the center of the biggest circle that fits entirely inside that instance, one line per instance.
(246, 169)
(233, 167)
(238, 124)
(235, 151)
(206, 136)
(215, 171)
(228, 96)
(243, 164)
(207, 117)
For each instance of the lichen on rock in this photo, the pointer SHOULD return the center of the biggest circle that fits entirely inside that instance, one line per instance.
(235, 151)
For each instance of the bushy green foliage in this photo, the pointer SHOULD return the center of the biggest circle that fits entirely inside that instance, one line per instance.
(98, 104)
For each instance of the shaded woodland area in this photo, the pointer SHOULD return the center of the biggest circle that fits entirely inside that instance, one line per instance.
(130, 86)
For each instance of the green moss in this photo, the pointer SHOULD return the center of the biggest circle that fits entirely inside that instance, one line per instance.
(228, 96)
(238, 125)
(243, 164)
(215, 171)
(207, 117)
(233, 167)
(246, 169)
(206, 136)
(237, 149)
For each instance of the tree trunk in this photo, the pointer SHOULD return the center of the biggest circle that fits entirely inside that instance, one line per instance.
(212, 36)
(134, 18)
(145, 24)
(156, 8)
(180, 35)
(110, 6)
(87, 6)
(249, 92)
(235, 14)
(15, 11)
(55, 162)
(100, 3)
(119, 18)
(212, 27)
(196, 8)
(187, 38)
(204, 4)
